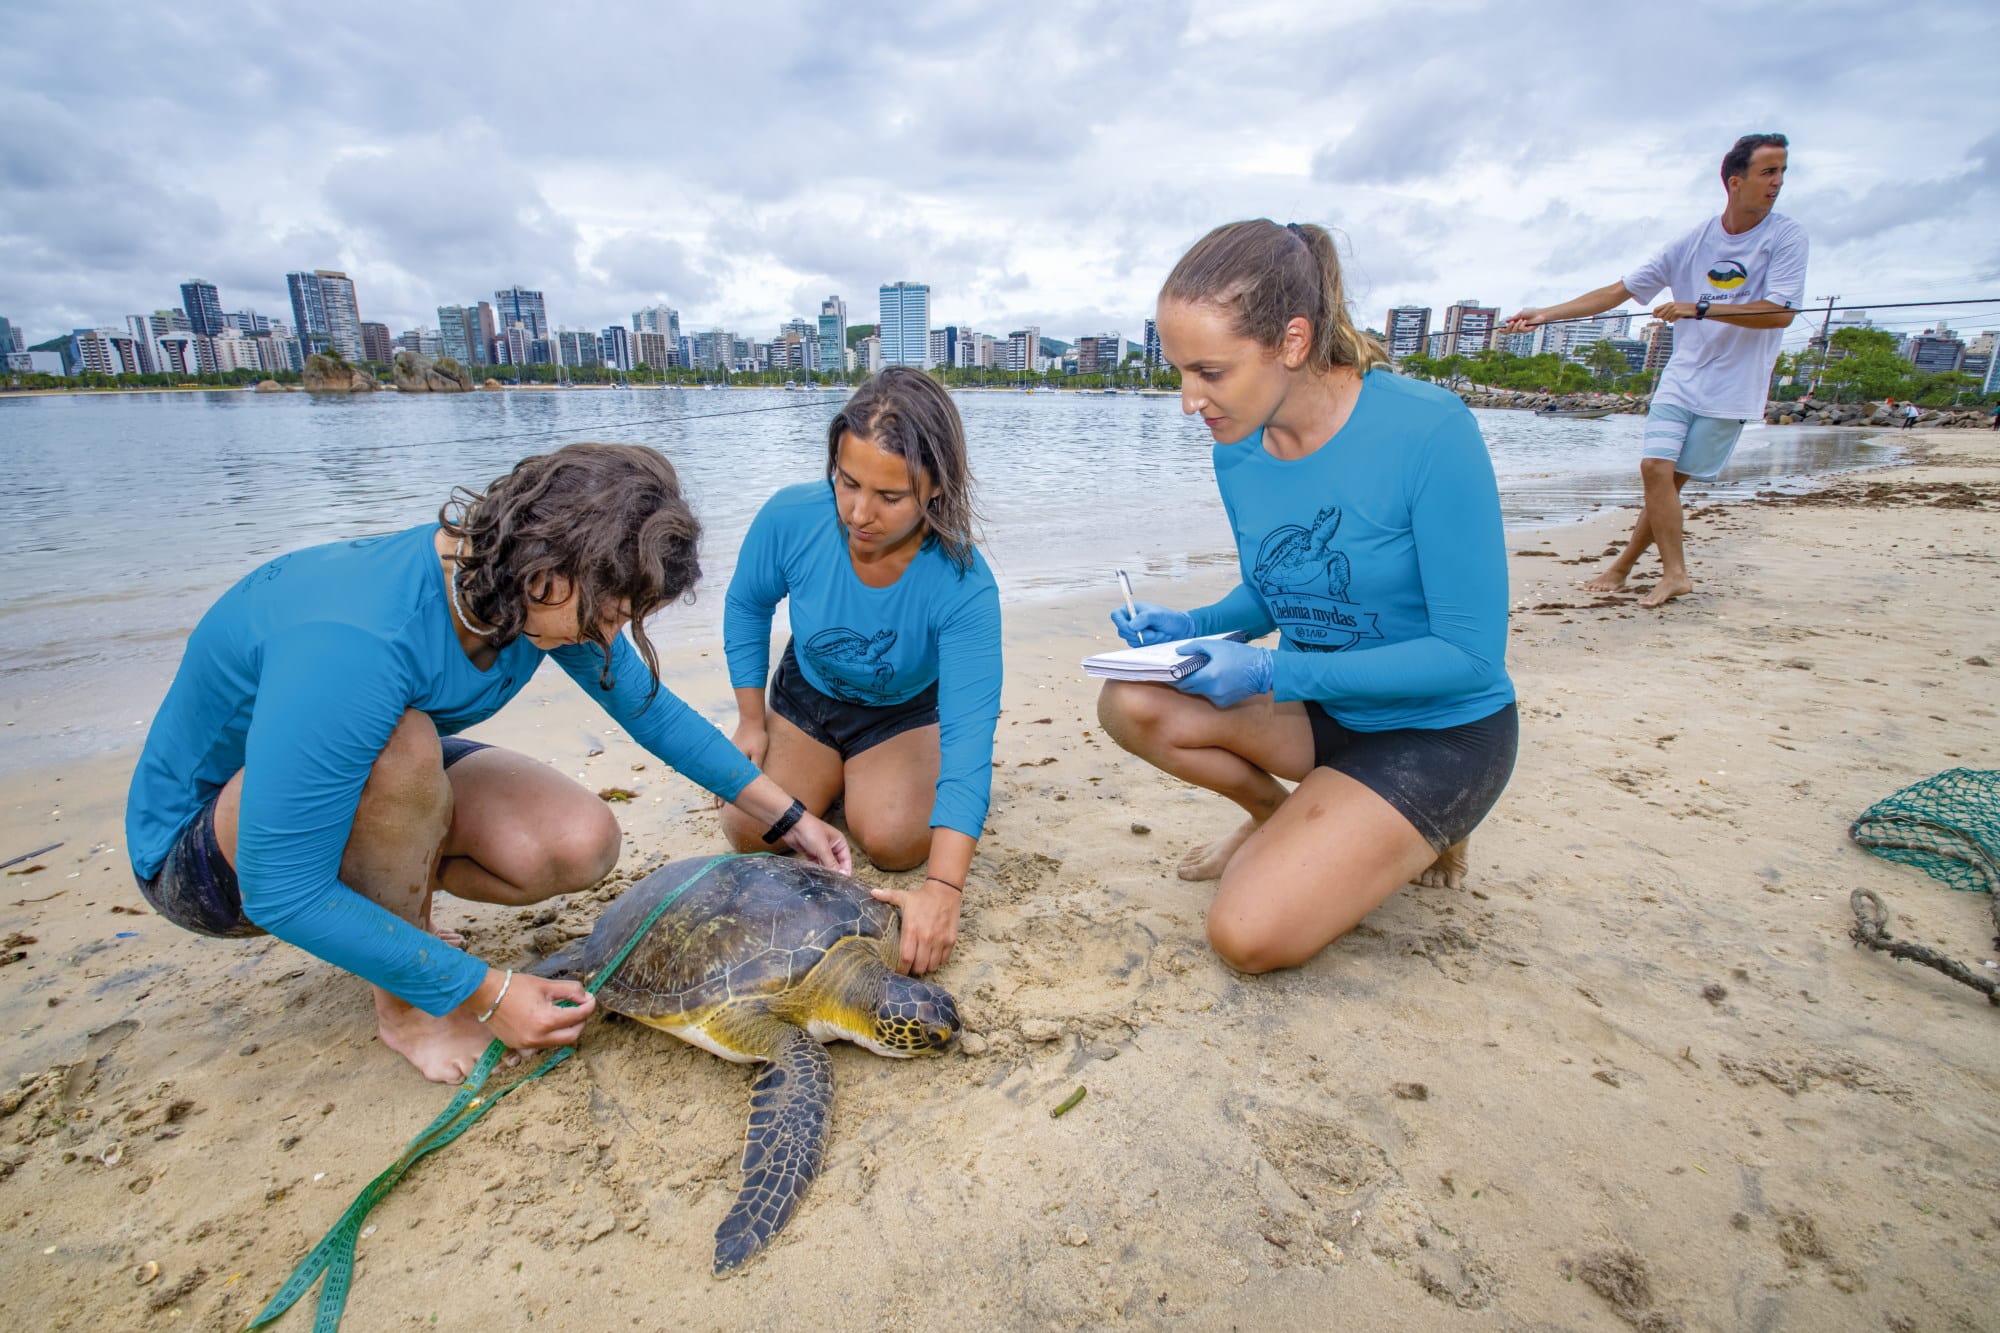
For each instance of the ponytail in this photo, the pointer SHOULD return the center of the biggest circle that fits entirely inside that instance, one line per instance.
(1266, 276)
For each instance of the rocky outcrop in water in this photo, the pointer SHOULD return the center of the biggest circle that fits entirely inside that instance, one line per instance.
(1564, 402)
(416, 373)
(327, 373)
(1875, 414)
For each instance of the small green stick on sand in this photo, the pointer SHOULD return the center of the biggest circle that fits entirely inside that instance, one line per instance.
(1067, 1103)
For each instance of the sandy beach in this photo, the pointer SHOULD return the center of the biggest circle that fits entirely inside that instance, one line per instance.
(1633, 1074)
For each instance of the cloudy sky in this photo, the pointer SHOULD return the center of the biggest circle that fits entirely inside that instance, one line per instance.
(740, 162)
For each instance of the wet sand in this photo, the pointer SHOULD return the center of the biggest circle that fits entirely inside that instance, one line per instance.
(1633, 1074)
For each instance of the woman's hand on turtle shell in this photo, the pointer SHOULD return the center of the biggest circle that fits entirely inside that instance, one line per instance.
(930, 924)
(529, 1016)
(820, 843)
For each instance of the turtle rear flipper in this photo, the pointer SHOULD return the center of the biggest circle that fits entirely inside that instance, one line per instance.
(791, 1104)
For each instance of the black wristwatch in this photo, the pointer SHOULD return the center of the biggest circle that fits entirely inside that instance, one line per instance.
(793, 813)
(1701, 308)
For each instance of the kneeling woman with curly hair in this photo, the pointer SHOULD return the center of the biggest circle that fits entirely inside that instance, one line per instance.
(303, 776)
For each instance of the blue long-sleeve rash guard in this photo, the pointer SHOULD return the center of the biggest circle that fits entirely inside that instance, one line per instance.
(1379, 558)
(296, 677)
(875, 646)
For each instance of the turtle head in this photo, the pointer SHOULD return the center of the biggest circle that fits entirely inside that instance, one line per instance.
(914, 1016)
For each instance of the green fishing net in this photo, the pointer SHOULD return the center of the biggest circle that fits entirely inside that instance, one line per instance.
(1947, 826)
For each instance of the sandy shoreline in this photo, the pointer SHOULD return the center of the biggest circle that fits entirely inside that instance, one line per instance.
(1479, 1111)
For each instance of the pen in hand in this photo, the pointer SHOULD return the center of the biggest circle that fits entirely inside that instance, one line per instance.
(1126, 584)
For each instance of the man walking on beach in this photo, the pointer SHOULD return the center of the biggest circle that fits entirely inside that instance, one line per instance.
(1737, 280)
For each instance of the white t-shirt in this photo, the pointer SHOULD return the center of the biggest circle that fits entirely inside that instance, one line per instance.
(1719, 369)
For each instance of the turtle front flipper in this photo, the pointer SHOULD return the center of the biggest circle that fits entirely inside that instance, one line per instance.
(791, 1104)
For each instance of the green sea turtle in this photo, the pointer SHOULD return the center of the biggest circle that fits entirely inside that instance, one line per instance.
(1293, 558)
(763, 959)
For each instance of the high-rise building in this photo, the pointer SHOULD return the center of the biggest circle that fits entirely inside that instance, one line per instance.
(1468, 326)
(12, 340)
(1099, 353)
(653, 349)
(943, 346)
(375, 342)
(1658, 337)
(1573, 339)
(1023, 350)
(1408, 330)
(1152, 353)
(422, 341)
(90, 350)
(577, 347)
(905, 328)
(203, 305)
(614, 347)
(868, 354)
(517, 342)
(457, 334)
(714, 349)
(485, 331)
(658, 319)
(518, 305)
(325, 312)
(1522, 342)
(308, 311)
(142, 339)
(1936, 351)
(234, 350)
(832, 333)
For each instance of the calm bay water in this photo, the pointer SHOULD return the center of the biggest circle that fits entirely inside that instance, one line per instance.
(128, 514)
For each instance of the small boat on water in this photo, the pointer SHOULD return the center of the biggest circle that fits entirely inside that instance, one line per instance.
(1575, 413)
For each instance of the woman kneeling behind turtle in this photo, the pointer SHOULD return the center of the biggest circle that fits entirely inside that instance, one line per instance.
(302, 777)
(889, 689)
(1367, 526)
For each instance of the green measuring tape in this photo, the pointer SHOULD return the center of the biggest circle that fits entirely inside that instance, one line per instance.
(334, 1255)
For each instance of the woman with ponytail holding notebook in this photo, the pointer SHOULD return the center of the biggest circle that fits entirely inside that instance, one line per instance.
(1368, 533)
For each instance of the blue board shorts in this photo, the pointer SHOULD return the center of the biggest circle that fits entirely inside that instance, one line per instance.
(1443, 781)
(1698, 446)
(196, 887)
(845, 728)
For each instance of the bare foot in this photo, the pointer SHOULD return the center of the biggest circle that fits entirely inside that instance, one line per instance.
(1611, 580)
(444, 1050)
(1448, 871)
(1211, 859)
(1666, 590)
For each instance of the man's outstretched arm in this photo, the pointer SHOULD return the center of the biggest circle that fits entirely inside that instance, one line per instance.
(1583, 307)
(1749, 315)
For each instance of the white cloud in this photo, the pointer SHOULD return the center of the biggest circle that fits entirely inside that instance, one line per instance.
(1044, 170)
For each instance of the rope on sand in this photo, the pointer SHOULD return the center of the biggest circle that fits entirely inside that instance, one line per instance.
(1948, 826)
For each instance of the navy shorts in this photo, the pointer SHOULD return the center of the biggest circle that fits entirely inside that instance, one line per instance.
(846, 729)
(196, 887)
(1442, 781)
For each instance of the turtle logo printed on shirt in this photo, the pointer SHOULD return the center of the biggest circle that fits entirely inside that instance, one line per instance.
(1728, 275)
(1303, 581)
(851, 665)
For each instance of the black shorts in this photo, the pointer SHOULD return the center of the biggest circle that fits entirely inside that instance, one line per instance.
(845, 728)
(196, 887)
(1442, 781)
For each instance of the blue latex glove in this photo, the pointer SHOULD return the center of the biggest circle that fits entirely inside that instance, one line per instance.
(1235, 672)
(1149, 623)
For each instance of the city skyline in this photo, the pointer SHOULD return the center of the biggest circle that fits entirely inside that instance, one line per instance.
(975, 167)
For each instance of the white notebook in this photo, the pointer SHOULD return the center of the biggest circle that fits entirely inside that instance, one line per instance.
(1162, 662)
